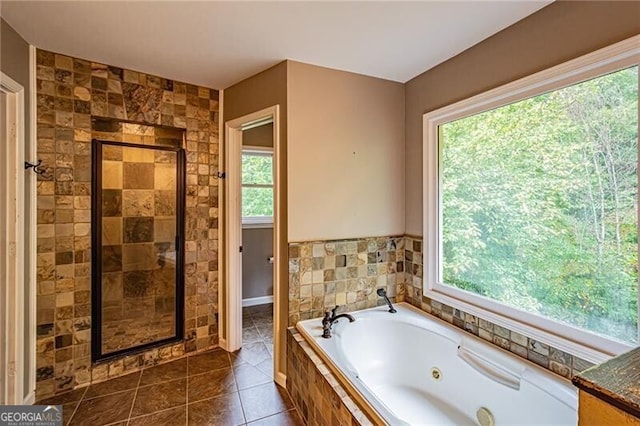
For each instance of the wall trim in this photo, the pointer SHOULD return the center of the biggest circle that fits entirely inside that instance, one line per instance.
(13, 248)
(32, 243)
(281, 379)
(253, 301)
(30, 398)
(257, 225)
(222, 230)
(231, 289)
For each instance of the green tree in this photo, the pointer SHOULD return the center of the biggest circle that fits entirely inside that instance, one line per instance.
(257, 181)
(539, 204)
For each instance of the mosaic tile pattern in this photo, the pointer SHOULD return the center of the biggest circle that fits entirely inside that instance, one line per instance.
(323, 274)
(71, 93)
(317, 395)
(545, 356)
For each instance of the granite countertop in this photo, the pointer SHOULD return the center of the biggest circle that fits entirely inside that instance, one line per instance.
(616, 381)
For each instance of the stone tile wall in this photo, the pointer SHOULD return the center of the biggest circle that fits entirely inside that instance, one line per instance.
(548, 357)
(319, 398)
(70, 93)
(323, 274)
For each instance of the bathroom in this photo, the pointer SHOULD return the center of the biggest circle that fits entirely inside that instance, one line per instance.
(348, 213)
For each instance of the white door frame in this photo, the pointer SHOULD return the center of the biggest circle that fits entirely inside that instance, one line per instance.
(231, 291)
(12, 282)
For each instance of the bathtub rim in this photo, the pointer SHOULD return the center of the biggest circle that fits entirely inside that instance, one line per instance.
(361, 399)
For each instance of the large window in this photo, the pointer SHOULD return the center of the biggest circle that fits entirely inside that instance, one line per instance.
(257, 186)
(537, 205)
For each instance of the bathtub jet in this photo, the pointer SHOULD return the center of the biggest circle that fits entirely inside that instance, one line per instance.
(382, 293)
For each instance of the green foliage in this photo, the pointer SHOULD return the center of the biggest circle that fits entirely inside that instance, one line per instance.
(257, 171)
(539, 204)
(257, 202)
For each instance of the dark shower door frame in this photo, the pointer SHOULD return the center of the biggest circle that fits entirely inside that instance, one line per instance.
(96, 250)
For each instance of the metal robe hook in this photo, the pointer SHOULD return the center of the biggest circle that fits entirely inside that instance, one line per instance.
(36, 167)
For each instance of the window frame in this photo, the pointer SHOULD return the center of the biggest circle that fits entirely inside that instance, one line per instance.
(576, 341)
(257, 221)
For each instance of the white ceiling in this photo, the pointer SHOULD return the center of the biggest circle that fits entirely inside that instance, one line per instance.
(216, 44)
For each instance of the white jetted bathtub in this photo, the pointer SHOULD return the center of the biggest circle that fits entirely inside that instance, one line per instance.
(415, 370)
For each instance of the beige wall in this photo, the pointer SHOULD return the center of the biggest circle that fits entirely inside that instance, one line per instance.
(263, 90)
(257, 272)
(14, 62)
(555, 34)
(346, 155)
(258, 136)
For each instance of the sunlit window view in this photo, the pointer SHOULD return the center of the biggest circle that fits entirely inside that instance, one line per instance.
(257, 185)
(539, 204)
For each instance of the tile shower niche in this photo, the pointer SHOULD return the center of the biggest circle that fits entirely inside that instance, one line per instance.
(138, 241)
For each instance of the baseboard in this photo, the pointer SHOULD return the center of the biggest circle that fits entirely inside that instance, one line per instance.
(223, 344)
(281, 379)
(30, 399)
(257, 301)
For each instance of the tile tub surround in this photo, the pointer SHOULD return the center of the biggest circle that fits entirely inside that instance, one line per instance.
(70, 93)
(323, 274)
(318, 396)
(553, 359)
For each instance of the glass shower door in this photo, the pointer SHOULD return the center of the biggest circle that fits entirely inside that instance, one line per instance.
(138, 262)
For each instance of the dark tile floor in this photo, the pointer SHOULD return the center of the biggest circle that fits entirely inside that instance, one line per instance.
(211, 388)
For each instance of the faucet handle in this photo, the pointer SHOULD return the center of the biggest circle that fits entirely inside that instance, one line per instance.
(333, 311)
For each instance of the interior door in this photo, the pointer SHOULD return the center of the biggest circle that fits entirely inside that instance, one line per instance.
(12, 225)
(3, 256)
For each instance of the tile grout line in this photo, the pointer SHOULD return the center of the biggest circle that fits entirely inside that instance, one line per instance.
(154, 412)
(186, 396)
(262, 340)
(244, 416)
(85, 398)
(135, 396)
(78, 405)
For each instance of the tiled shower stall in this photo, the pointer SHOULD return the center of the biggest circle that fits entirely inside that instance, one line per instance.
(72, 96)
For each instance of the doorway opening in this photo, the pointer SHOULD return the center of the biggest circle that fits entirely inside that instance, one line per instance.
(257, 217)
(251, 229)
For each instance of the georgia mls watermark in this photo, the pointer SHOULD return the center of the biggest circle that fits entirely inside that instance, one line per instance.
(30, 415)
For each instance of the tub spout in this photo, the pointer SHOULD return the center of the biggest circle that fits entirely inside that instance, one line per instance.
(330, 318)
(382, 293)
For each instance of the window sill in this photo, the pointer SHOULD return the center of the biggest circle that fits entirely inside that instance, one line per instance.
(533, 331)
(257, 225)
